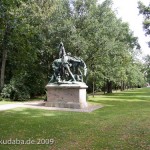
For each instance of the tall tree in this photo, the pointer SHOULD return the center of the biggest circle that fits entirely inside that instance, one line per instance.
(6, 28)
(145, 11)
(147, 68)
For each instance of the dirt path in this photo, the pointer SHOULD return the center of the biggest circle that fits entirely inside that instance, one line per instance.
(41, 105)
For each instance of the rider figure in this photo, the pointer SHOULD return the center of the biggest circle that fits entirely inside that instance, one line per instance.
(65, 63)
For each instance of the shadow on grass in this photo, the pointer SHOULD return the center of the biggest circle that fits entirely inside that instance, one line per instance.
(135, 96)
(21, 112)
(122, 124)
(123, 99)
(141, 91)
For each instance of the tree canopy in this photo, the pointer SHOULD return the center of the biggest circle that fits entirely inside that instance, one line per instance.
(31, 30)
(145, 11)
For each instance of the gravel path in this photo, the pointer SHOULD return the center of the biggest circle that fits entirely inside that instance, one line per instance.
(41, 105)
(9, 106)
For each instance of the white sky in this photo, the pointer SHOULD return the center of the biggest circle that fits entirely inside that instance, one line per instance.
(128, 11)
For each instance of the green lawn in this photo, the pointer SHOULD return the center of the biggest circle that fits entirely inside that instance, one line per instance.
(122, 124)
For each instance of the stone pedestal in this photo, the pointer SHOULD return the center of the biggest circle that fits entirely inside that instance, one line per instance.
(66, 95)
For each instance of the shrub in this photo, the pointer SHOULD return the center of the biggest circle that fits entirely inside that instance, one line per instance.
(15, 91)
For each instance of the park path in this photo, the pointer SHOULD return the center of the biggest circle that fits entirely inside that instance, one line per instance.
(8, 106)
(41, 105)
(22, 104)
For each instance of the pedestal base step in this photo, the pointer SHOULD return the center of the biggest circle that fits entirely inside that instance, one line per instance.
(66, 105)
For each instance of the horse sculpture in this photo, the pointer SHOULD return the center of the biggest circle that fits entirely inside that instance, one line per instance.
(77, 64)
(67, 68)
(61, 73)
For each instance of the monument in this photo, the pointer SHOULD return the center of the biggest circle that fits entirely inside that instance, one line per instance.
(66, 88)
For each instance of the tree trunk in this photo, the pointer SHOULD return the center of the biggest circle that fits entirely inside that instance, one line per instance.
(104, 86)
(109, 86)
(122, 86)
(93, 88)
(4, 55)
(4, 58)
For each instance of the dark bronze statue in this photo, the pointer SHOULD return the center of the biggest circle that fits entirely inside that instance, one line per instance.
(67, 69)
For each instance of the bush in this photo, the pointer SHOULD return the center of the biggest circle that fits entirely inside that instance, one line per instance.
(15, 91)
(1, 98)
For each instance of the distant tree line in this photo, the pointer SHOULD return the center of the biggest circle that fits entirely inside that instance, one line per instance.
(31, 30)
(145, 11)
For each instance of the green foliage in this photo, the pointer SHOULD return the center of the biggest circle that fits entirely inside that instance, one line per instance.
(136, 75)
(87, 29)
(15, 91)
(145, 11)
(146, 68)
(22, 86)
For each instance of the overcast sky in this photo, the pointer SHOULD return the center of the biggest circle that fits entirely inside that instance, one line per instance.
(128, 11)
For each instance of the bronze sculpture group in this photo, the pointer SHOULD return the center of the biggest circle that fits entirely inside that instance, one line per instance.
(67, 69)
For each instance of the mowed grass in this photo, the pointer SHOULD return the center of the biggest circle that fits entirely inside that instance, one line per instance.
(122, 124)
